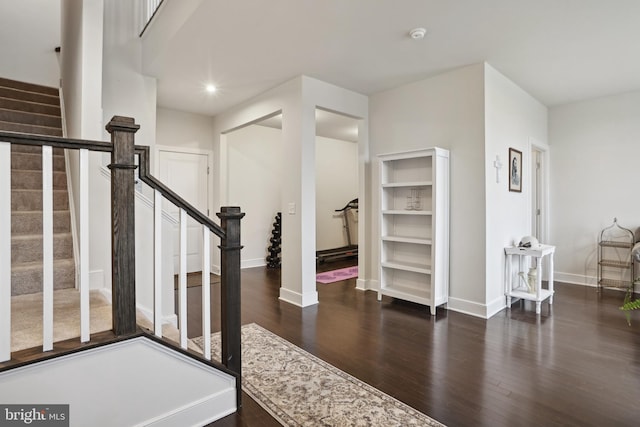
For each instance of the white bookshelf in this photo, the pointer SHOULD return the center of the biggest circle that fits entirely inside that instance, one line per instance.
(414, 226)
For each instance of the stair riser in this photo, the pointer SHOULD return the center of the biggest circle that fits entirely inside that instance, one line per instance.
(10, 93)
(30, 249)
(29, 87)
(30, 118)
(38, 130)
(29, 107)
(28, 161)
(31, 223)
(32, 180)
(31, 200)
(29, 281)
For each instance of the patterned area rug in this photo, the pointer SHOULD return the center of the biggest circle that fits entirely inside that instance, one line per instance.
(298, 389)
(337, 275)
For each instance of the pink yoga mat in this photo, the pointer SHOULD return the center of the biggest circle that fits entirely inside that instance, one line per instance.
(337, 275)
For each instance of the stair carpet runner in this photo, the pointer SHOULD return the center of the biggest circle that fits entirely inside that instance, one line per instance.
(35, 109)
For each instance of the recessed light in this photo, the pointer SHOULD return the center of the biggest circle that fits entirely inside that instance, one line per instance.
(211, 88)
(417, 33)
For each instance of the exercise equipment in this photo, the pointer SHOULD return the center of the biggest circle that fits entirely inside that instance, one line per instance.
(343, 252)
(273, 259)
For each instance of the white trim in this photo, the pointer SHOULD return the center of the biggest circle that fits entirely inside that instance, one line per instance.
(83, 283)
(182, 283)
(296, 298)
(367, 284)
(47, 248)
(546, 176)
(5, 252)
(251, 263)
(476, 309)
(206, 291)
(198, 151)
(157, 263)
(96, 279)
(575, 279)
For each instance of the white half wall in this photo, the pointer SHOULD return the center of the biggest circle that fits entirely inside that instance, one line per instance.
(594, 170)
(30, 32)
(443, 111)
(512, 118)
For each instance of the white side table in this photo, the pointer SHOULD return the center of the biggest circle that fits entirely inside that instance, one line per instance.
(515, 290)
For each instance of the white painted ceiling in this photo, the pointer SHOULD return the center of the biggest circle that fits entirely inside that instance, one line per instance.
(559, 51)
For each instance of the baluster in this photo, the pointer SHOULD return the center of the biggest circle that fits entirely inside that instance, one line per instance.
(182, 286)
(157, 263)
(85, 323)
(5, 252)
(206, 292)
(47, 248)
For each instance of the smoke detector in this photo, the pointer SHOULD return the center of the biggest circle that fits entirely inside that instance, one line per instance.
(417, 33)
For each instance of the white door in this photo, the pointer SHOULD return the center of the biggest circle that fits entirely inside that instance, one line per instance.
(186, 173)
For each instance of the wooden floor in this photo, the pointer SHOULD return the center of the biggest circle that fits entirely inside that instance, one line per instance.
(576, 364)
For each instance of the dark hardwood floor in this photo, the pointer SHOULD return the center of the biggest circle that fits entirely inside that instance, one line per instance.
(576, 364)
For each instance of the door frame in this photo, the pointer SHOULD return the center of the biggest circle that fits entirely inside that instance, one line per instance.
(198, 151)
(543, 188)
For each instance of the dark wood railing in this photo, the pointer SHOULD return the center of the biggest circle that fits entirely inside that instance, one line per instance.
(123, 152)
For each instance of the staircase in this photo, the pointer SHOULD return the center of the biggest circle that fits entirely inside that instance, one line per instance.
(35, 109)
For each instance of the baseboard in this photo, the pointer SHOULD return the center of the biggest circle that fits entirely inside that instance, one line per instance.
(473, 308)
(576, 279)
(251, 263)
(367, 285)
(171, 319)
(296, 298)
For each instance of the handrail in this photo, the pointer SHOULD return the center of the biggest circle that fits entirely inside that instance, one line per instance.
(106, 147)
(143, 155)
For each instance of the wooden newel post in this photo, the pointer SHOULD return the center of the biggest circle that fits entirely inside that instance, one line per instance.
(230, 290)
(123, 263)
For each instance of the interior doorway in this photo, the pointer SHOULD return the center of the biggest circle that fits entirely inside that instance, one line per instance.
(337, 188)
(187, 173)
(539, 155)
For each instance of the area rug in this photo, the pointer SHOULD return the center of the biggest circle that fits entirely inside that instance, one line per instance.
(298, 389)
(337, 275)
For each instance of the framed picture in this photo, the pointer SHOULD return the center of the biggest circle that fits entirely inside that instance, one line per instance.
(515, 170)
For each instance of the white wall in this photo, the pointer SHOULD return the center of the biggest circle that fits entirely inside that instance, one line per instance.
(512, 119)
(445, 111)
(81, 73)
(30, 31)
(255, 166)
(182, 129)
(594, 171)
(336, 185)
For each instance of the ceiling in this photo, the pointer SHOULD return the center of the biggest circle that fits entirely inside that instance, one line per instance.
(559, 51)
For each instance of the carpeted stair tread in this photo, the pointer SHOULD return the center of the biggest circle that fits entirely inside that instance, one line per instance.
(29, 107)
(31, 200)
(28, 248)
(30, 222)
(32, 129)
(28, 87)
(32, 180)
(26, 278)
(37, 119)
(33, 161)
(24, 95)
